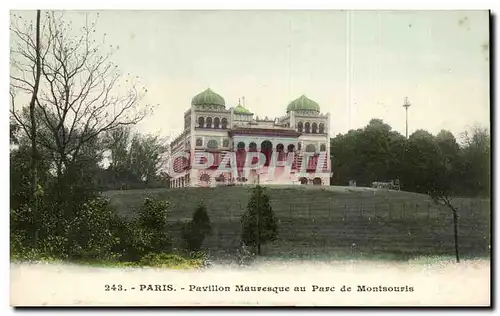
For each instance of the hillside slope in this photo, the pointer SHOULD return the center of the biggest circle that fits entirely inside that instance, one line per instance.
(338, 221)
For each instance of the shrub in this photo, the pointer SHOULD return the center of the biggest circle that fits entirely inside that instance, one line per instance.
(153, 215)
(87, 234)
(21, 224)
(124, 232)
(90, 233)
(258, 222)
(195, 231)
(147, 233)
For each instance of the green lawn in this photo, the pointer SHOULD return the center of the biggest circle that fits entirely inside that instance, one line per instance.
(332, 221)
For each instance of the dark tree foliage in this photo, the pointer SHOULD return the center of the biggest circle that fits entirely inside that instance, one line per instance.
(259, 224)
(197, 229)
(367, 155)
(145, 235)
(376, 153)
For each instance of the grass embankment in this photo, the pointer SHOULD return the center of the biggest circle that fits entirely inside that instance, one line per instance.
(162, 260)
(333, 222)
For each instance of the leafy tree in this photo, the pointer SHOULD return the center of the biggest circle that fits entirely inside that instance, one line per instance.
(197, 229)
(135, 160)
(119, 141)
(146, 156)
(373, 153)
(422, 160)
(476, 161)
(149, 229)
(451, 159)
(258, 222)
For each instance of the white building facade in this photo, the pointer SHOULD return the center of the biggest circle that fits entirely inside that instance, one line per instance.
(230, 146)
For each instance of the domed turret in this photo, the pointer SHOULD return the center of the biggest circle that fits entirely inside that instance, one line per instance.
(240, 109)
(209, 99)
(303, 104)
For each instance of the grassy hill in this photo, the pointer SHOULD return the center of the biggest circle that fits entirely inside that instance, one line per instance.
(330, 221)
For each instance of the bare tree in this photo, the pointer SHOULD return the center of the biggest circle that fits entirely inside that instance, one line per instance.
(34, 56)
(82, 93)
(34, 84)
(442, 197)
(445, 173)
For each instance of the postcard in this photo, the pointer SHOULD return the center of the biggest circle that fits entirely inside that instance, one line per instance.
(250, 158)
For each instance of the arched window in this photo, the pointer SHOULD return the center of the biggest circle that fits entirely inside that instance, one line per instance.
(307, 127)
(310, 148)
(322, 147)
(253, 146)
(300, 127)
(199, 142)
(209, 122)
(224, 123)
(317, 181)
(266, 147)
(216, 122)
(212, 144)
(314, 128)
(241, 145)
(291, 148)
(321, 128)
(201, 121)
(280, 149)
(303, 180)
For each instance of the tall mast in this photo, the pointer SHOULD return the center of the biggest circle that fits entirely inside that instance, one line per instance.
(406, 105)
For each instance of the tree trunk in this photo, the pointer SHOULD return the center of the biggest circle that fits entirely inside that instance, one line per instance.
(455, 228)
(34, 152)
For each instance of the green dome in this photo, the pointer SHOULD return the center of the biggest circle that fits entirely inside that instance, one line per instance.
(239, 109)
(303, 104)
(210, 98)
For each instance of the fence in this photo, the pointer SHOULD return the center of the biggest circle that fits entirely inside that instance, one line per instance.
(347, 210)
(394, 227)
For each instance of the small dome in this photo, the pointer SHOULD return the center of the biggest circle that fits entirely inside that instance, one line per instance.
(303, 104)
(208, 97)
(240, 109)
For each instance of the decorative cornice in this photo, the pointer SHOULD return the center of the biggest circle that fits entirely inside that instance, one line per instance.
(263, 132)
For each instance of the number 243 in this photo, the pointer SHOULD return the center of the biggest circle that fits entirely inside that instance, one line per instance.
(113, 287)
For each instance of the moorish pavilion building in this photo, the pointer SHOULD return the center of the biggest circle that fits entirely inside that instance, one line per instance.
(211, 128)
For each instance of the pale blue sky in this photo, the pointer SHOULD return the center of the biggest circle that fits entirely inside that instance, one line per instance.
(357, 65)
